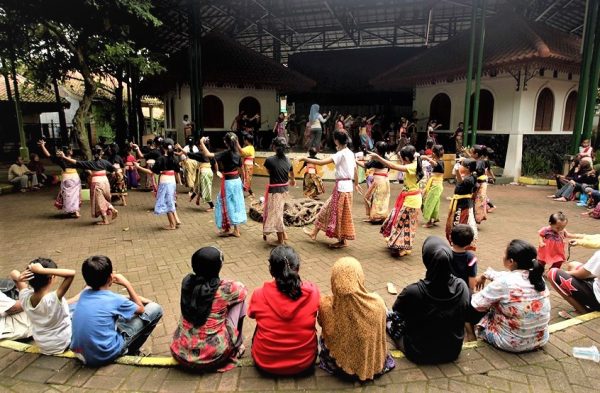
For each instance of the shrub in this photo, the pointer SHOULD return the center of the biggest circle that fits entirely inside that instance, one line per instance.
(534, 164)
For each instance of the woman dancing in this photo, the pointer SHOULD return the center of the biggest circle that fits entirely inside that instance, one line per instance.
(69, 197)
(281, 174)
(400, 227)
(434, 187)
(335, 218)
(100, 186)
(166, 167)
(230, 210)
(377, 197)
(247, 152)
(203, 183)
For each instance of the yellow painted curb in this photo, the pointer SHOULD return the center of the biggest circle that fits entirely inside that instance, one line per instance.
(168, 361)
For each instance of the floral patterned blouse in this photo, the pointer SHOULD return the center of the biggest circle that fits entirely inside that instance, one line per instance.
(518, 315)
(213, 342)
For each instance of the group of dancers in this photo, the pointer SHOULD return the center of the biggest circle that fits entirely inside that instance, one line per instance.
(421, 177)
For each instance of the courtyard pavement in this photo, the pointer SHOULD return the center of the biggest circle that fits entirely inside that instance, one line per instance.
(156, 260)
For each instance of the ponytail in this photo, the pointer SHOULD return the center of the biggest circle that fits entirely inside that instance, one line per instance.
(280, 144)
(525, 255)
(536, 275)
(97, 153)
(284, 264)
(420, 172)
(408, 153)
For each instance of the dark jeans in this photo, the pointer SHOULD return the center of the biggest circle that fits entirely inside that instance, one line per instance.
(136, 331)
(315, 138)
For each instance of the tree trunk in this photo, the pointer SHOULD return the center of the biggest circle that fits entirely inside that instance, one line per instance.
(121, 125)
(64, 133)
(83, 113)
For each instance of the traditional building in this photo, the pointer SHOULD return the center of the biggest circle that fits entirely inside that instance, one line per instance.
(234, 79)
(528, 86)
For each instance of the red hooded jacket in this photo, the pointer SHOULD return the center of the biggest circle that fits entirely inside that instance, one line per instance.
(285, 341)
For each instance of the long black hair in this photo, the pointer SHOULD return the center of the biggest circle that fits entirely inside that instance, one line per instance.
(407, 153)
(168, 150)
(525, 255)
(381, 148)
(284, 264)
(341, 137)
(280, 144)
(438, 151)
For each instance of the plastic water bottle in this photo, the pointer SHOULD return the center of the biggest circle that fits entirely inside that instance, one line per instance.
(589, 353)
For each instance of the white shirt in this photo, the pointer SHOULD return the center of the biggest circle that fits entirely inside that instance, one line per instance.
(50, 320)
(345, 164)
(317, 122)
(13, 326)
(593, 266)
(195, 149)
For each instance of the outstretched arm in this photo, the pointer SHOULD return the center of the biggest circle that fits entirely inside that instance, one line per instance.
(323, 161)
(388, 163)
(205, 151)
(42, 145)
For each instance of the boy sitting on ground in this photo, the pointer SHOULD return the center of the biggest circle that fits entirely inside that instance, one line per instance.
(464, 263)
(47, 310)
(14, 324)
(107, 325)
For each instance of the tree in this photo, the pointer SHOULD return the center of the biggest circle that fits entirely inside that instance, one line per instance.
(92, 38)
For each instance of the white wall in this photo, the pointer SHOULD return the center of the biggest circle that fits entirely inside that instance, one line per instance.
(269, 106)
(49, 117)
(514, 111)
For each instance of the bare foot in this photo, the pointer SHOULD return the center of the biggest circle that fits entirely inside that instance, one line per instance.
(224, 234)
(170, 228)
(209, 209)
(561, 199)
(310, 234)
(366, 220)
(235, 234)
(103, 223)
(428, 225)
(585, 214)
(115, 214)
(338, 245)
(551, 196)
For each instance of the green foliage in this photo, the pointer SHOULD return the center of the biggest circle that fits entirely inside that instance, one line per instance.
(549, 148)
(534, 164)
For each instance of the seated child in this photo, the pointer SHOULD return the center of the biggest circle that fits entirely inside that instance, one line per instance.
(107, 325)
(209, 332)
(47, 310)
(14, 324)
(464, 263)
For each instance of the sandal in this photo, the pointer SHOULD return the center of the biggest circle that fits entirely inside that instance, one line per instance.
(568, 314)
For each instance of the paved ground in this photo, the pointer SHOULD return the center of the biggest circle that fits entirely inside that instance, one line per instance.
(156, 260)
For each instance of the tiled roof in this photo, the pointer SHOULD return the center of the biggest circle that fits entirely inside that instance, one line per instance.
(510, 41)
(28, 92)
(226, 62)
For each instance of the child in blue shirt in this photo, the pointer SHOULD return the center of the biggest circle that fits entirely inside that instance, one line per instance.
(464, 263)
(107, 325)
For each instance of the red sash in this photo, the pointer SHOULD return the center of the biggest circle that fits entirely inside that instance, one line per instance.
(99, 173)
(226, 224)
(266, 203)
(397, 207)
(168, 173)
(380, 174)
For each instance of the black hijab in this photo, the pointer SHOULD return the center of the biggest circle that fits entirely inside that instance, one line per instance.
(438, 282)
(198, 289)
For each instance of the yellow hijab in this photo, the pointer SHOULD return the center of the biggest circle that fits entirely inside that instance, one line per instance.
(353, 322)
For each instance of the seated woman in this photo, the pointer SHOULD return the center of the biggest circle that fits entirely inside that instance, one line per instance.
(428, 318)
(516, 303)
(209, 333)
(353, 342)
(285, 309)
(575, 284)
(585, 177)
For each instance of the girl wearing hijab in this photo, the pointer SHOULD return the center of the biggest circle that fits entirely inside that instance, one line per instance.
(209, 333)
(316, 121)
(353, 321)
(400, 226)
(516, 302)
(230, 209)
(428, 318)
(285, 309)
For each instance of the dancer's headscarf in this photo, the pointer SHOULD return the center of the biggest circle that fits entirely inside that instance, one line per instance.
(314, 112)
(438, 282)
(353, 322)
(198, 289)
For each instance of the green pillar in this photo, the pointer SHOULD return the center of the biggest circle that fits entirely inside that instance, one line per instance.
(196, 68)
(592, 92)
(584, 74)
(478, 73)
(23, 149)
(468, 80)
